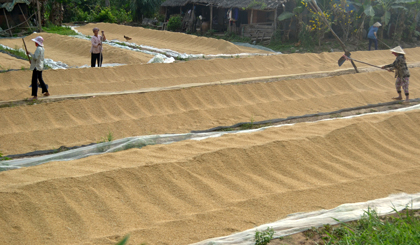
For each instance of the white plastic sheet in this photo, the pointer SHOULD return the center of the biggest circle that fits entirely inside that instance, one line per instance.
(303, 221)
(140, 141)
(160, 58)
(168, 52)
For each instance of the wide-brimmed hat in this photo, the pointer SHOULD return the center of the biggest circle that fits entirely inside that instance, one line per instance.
(95, 29)
(39, 40)
(377, 24)
(398, 50)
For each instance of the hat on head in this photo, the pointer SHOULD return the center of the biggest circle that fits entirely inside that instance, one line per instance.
(39, 40)
(377, 24)
(398, 50)
(95, 29)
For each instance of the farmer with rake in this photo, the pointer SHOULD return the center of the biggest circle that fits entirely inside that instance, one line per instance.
(401, 72)
(96, 49)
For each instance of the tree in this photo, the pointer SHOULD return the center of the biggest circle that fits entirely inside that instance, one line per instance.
(144, 8)
(386, 7)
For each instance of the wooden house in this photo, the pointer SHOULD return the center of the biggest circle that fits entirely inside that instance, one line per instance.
(16, 14)
(254, 19)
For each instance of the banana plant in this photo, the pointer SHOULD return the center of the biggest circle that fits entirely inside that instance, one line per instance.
(386, 7)
(413, 12)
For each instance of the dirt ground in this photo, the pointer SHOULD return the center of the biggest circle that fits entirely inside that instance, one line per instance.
(192, 190)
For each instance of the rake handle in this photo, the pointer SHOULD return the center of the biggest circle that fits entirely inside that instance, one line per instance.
(29, 58)
(365, 63)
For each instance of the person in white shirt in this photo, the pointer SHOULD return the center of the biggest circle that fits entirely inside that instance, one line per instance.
(96, 49)
(37, 65)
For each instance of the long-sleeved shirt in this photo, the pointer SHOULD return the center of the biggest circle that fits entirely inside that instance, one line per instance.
(96, 48)
(400, 67)
(372, 31)
(38, 59)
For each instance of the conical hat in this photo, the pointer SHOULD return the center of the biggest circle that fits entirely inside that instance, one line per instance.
(377, 24)
(398, 50)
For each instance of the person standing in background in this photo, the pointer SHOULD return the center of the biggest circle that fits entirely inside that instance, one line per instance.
(96, 49)
(372, 35)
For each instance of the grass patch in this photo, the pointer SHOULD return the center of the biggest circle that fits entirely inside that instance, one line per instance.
(2, 158)
(400, 228)
(107, 138)
(61, 30)
(15, 52)
(263, 237)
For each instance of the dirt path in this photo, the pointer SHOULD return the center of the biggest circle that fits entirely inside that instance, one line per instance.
(76, 52)
(210, 188)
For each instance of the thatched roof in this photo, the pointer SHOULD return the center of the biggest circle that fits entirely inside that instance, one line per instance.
(248, 4)
(10, 4)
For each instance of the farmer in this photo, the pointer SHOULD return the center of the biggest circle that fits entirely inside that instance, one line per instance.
(96, 49)
(401, 72)
(37, 65)
(373, 30)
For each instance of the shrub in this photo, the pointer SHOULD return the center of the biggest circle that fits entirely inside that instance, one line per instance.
(105, 16)
(175, 23)
(264, 237)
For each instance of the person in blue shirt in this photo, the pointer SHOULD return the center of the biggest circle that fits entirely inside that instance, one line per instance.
(373, 30)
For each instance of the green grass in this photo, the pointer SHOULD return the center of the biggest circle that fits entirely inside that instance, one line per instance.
(263, 237)
(2, 158)
(61, 30)
(15, 52)
(401, 228)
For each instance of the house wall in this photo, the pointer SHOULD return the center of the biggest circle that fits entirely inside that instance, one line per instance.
(14, 17)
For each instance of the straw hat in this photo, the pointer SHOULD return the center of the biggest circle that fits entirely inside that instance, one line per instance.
(39, 40)
(398, 50)
(377, 24)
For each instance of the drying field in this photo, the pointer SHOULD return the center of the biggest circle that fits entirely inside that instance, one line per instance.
(193, 190)
(189, 191)
(78, 122)
(74, 51)
(137, 77)
(178, 42)
(8, 62)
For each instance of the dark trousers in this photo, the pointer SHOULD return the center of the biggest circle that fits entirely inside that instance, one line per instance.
(373, 41)
(37, 76)
(95, 58)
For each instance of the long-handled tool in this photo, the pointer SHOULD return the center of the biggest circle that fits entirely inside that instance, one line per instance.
(345, 57)
(315, 6)
(384, 43)
(100, 53)
(27, 53)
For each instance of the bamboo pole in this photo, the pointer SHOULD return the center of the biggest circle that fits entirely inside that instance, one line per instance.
(211, 17)
(7, 22)
(38, 6)
(252, 16)
(23, 14)
(275, 19)
(19, 24)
